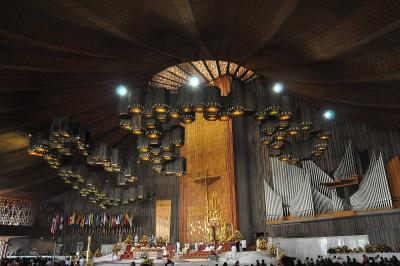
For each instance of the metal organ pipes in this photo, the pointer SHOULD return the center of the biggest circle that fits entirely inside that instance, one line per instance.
(302, 204)
(273, 204)
(347, 166)
(374, 189)
(318, 177)
(322, 203)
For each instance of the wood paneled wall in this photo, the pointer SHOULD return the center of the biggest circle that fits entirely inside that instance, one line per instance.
(393, 170)
(257, 164)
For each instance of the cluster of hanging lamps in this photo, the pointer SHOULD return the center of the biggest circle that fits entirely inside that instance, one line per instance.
(273, 110)
(290, 138)
(85, 167)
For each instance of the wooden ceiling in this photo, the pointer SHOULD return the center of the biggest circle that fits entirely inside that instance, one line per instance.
(66, 56)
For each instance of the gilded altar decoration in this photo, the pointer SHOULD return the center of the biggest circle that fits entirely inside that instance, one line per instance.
(235, 237)
(128, 239)
(214, 228)
(116, 248)
(262, 245)
(147, 262)
(144, 241)
(97, 253)
(161, 241)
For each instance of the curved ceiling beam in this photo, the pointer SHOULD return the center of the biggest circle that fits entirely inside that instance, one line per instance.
(382, 66)
(46, 103)
(51, 33)
(281, 15)
(360, 27)
(45, 116)
(185, 12)
(107, 26)
(34, 60)
(27, 184)
(12, 81)
(347, 95)
(370, 21)
(378, 118)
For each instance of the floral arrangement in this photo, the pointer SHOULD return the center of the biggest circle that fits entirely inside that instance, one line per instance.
(272, 251)
(97, 253)
(381, 248)
(144, 241)
(161, 241)
(235, 237)
(147, 262)
(262, 245)
(344, 249)
(117, 248)
(128, 239)
(144, 255)
(84, 252)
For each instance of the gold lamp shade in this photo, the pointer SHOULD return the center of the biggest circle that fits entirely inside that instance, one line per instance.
(174, 111)
(143, 144)
(168, 156)
(274, 153)
(267, 127)
(284, 116)
(273, 110)
(237, 98)
(210, 116)
(155, 151)
(144, 156)
(136, 124)
(282, 125)
(276, 144)
(136, 101)
(178, 136)
(305, 126)
(266, 140)
(153, 134)
(184, 99)
(188, 118)
(160, 100)
(324, 136)
(280, 135)
(213, 99)
(293, 131)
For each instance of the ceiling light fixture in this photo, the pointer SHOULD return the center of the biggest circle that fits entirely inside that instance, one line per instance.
(329, 114)
(121, 90)
(278, 87)
(194, 81)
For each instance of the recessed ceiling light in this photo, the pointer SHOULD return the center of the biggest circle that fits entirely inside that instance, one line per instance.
(194, 81)
(329, 114)
(121, 90)
(278, 87)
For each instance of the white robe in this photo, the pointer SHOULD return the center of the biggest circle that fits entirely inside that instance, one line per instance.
(233, 252)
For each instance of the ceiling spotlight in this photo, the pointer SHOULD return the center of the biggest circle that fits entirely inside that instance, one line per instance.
(121, 90)
(278, 87)
(194, 81)
(329, 114)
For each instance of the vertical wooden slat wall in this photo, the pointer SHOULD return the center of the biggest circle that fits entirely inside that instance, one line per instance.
(393, 170)
(165, 187)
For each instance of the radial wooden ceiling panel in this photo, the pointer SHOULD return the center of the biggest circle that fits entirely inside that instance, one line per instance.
(66, 57)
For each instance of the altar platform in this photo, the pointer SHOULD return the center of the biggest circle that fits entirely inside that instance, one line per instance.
(245, 258)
